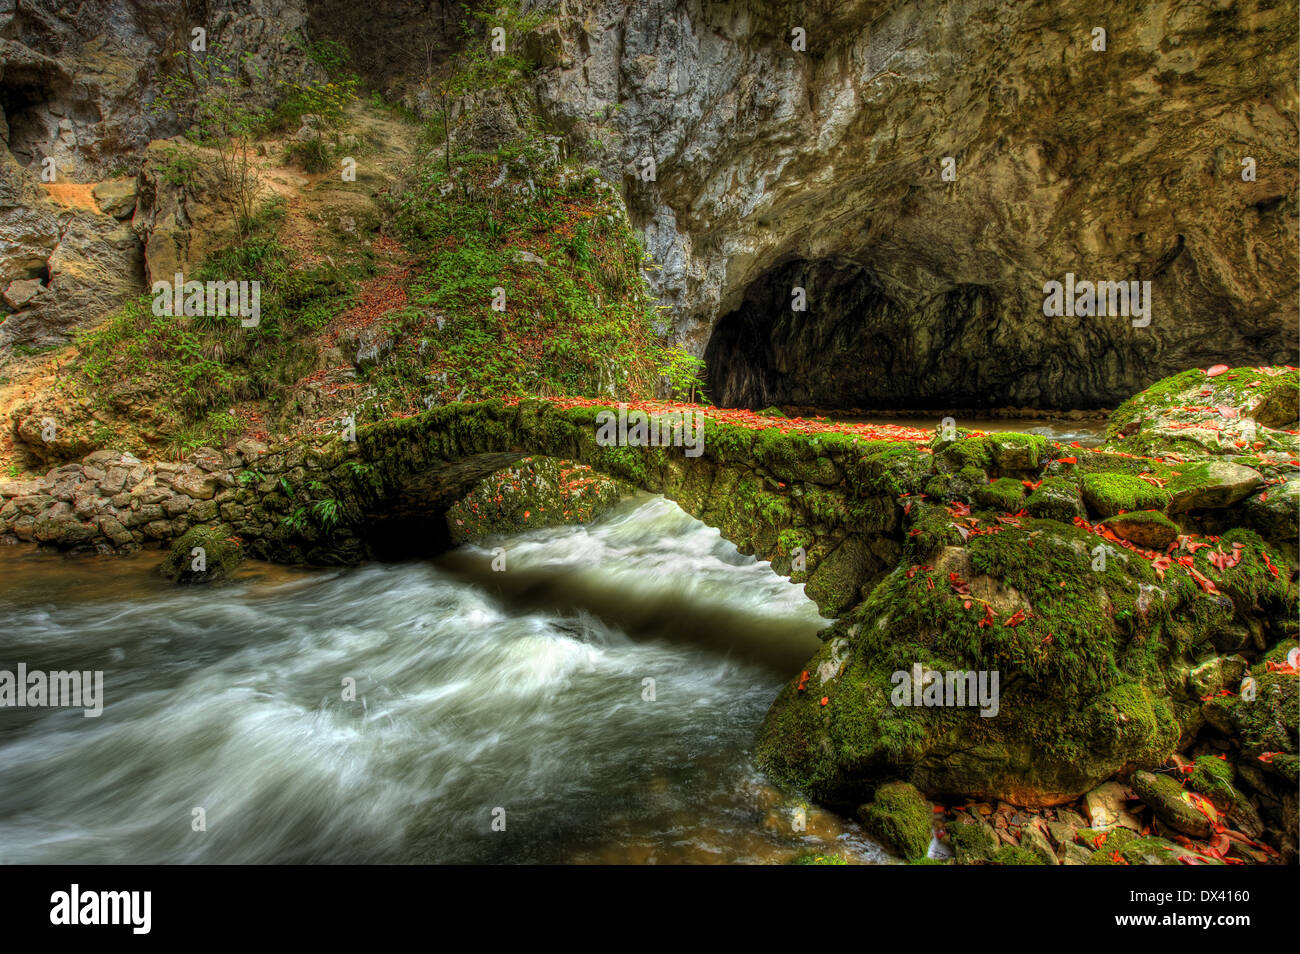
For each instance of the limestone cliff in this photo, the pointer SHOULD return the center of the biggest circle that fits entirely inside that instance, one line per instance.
(823, 168)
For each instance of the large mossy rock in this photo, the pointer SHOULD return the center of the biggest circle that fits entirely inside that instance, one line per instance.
(1239, 413)
(1095, 657)
(202, 555)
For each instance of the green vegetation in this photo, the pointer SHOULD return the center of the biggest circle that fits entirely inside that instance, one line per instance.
(196, 372)
(900, 818)
(531, 284)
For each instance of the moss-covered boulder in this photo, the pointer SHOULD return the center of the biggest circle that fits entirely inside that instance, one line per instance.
(1109, 494)
(973, 840)
(900, 819)
(1150, 850)
(1056, 498)
(1145, 528)
(1170, 803)
(1092, 663)
(202, 555)
(1004, 495)
(961, 485)
(1210, 484)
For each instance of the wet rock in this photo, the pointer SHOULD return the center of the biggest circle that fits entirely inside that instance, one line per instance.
(1275, 511)
(1210, 484)
(899, 818)
(1144, 528)
(974, 840)
(1166, 798)
(1032, 839)
(1106, 806)
(201, 555)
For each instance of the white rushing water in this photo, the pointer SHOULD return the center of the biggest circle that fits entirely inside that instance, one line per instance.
(523, 690)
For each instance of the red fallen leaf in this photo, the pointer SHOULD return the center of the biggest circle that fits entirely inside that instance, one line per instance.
(1047, 639)
(1269, 563)
(1266, 757)
(1215, 371)
(914, 532)
(1099, 840)
(989, 619)
(803, 681)
(1015, 619)
(929, 583)
(1067, 460)
(1263, 496)
(1116, 857)
(825, 699)
(1031, 484)
(907, 507)
(1075, 444)
(965, 604)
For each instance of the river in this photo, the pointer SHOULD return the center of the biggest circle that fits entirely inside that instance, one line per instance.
(476, 691)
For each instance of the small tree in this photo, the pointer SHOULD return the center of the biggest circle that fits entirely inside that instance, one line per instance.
(210, 92)
(682, 372)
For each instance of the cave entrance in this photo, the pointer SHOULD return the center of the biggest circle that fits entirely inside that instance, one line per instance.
(854, 346)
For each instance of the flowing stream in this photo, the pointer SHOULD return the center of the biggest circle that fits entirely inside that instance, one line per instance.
(518, 696)
(523, 690)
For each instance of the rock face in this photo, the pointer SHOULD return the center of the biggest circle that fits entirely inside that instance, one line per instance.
(822, 169)
(76, 89)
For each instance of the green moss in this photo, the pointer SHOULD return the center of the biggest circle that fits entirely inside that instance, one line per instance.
(1115, 838)
(1004, 495)
(814, 858)
(973, 842)
(1015, 855)
(1109, 494)
(1145, 528)
(1212, 777)
(209, 547)
(1056, 498)
(900, 819)
(576, 317)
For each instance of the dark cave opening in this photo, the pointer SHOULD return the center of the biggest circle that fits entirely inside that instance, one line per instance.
(852, 346)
